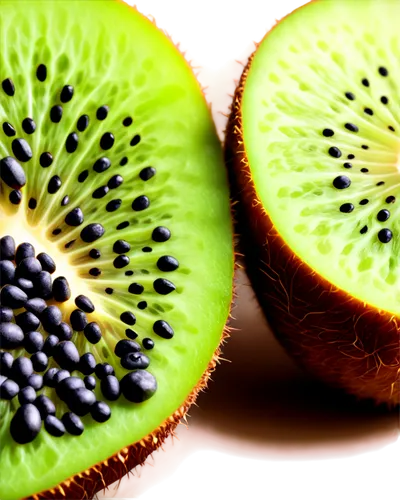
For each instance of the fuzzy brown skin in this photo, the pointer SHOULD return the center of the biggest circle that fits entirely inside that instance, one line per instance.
(336, 337)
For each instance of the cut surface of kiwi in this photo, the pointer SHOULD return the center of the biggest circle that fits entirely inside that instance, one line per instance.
(314, 135)
(115, 235)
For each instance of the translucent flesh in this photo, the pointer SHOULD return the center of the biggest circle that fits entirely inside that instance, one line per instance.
(295, 89)
(115, 57)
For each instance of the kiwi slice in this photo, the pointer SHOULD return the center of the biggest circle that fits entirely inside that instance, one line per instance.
(313, 147)
(116, 244)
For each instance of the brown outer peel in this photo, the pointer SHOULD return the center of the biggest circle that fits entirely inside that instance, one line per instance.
(84, 485)
(338, 338)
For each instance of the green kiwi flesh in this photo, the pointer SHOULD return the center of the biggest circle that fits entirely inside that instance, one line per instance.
(313, 144)
(113, 57)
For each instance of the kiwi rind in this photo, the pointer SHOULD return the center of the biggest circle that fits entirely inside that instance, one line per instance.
(114, 467)
(332, 334)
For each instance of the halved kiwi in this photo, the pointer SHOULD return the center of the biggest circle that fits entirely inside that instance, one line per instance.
(116, 244)
(313, 145)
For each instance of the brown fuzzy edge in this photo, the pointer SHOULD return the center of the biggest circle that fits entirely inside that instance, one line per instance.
(85, 485)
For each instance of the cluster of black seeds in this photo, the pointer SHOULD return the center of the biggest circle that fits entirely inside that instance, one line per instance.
(26, 291)
(340, 182)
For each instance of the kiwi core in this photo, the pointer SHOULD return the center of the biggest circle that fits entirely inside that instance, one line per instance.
(321, 125)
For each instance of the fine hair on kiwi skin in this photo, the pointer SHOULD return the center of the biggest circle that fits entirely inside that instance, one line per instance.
(109, 160)
(339, 81)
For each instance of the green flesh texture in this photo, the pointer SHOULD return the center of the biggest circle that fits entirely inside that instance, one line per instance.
(113, 56)
(295, 89)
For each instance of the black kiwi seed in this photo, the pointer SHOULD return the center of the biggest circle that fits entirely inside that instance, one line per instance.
(384, 100)
(67, 93)
(163, 329)
(47, 262)
(21, 369)
(121, 261)
(54, 426)
(8, 389)
(43, 284)
(73, 424)
(136, 288)
(82, 123)
(90, 382)
(84, 303)
(347, 165)
(92, 232)
(94, 271)
(142, 305)
(56, 113)
(124, 346)
(109, 291)
(365, 82)
(28, 125)
(8, 87)
(28, 322)
(100, 192)
(66, 355)
(167, 263)
(121, 246)
(107, 141)
(24, 250)
(110, 388)
(335, 152)
(147, 173)
(8, 129)
(49, 345)
(65, 201)
(12, 173)
(83, 176)
(127, 121)
(7, 272)
(36, 381)
(35, 305)
(39, 361)
(385, 235)
(33, 342)
(350, 96)
(368, 111)
(102, 112)
(51, 317)
(364, 146)
(351, 127)
(115, 181)
(161, 234)
(71, 144)
(6, 315)
(6, 361)
(390, 199)
(100, 411)
(113, 205)
(25, 424)
(7, 248)
(21, 149)
(94, 253)
(383, 71)
(92, 332)
(135, 140)
(15, 197)
(102, 370)
(61, 290)
(48, 378)
(364, 170)
(78, 320)
(135, 361)
(32, 204)
(122, 225)
(60, 376)
(147, 249)
(148, 344)
(380, 183)
(26, 395)
(140, 203)
(123, 161)
(327, 132)
(138, 386)
(383, 215)
(54, 184)
(341, 182)
(101, 165)
(74, 217)
(41, 73)
(11, 336)
(163, 286)
(131, 334)
(63, 331)
(128, 273)
(87, 365)
(128, 318)
(46, 159)
(13, 297)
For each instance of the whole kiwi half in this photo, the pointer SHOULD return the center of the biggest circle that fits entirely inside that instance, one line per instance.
(313, 150)
(116, 244)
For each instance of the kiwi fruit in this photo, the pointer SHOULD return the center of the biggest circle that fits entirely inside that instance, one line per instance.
(116, 244)
(312, 149)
